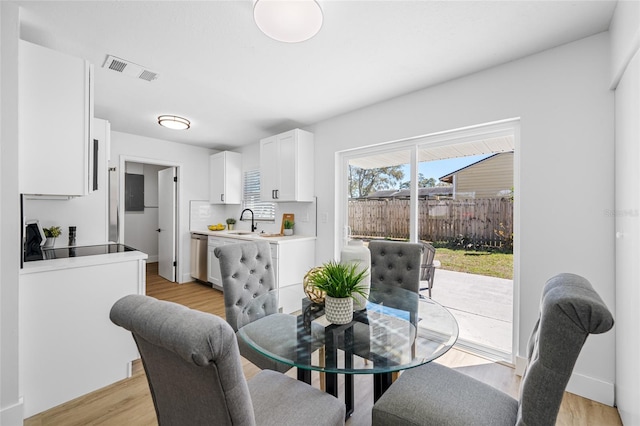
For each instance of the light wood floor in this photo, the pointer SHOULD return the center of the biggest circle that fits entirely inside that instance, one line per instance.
(128, 402)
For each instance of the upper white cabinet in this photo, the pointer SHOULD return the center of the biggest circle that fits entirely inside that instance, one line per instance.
(286, 167)
(225, 178)
(55, 114)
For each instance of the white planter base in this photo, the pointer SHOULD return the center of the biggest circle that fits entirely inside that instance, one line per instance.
(338, 310)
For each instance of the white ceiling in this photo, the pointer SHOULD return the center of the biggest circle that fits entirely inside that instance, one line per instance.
(236, 85)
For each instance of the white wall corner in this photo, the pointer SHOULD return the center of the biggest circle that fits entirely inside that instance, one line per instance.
(13, 414)
(186, 277)
(586, 387)
(625, 38)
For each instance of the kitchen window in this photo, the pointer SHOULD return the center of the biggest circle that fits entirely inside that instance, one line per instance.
(262, 210)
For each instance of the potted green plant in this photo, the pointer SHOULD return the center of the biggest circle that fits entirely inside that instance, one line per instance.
(340, 282)
(230, 223)
(288, 227)
(51, 233)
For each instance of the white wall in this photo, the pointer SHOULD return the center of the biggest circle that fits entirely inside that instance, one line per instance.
(625, 71)
(140, 227)
(89, 213)
(566, 112)
(10, 247)
(194, 166)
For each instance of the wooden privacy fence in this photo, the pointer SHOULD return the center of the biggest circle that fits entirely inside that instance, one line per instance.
(486, 221)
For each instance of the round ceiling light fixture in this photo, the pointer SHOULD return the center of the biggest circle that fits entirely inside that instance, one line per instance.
(174, 122)
(289, 21)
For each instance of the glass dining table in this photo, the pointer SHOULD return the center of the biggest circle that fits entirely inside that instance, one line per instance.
(398, 329)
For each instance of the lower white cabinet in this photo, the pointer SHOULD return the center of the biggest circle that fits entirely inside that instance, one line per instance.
(291, 259)
(213, 264)
(68, 345)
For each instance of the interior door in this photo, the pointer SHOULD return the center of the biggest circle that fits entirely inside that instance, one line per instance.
(167, 223)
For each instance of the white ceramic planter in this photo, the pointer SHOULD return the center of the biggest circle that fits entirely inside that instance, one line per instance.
(339, 310)
(288, 232)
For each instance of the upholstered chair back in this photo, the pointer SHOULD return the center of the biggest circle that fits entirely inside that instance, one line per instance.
(191, 360)
(396, 263)
(247, 272)
(570, 310)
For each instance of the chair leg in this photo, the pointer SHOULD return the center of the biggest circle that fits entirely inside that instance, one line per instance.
(323, 378)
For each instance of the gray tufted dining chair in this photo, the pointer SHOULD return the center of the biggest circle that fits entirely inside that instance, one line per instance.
(433, 394)
(195, 376)
(247, 272)
(396, 263)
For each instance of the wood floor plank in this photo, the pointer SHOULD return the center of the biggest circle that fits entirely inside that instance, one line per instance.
(128, 402)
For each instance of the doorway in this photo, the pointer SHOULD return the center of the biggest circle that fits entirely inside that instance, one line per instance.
(444, 189)
(154, 227)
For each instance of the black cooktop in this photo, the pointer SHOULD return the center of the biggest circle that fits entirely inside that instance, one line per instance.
(61, 253)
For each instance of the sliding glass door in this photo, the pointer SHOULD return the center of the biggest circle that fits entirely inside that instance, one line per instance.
(454, 191)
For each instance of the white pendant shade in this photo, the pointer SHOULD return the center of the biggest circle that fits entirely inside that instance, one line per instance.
(174, 122)
(290, 21)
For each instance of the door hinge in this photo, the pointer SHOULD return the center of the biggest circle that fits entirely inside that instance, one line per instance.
(175, 263)
(175, 178)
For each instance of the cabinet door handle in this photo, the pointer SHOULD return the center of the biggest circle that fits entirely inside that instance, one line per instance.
(273, 194)
(277, 195)
(222, 197)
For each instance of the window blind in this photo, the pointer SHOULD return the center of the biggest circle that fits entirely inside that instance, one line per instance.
(262, 210)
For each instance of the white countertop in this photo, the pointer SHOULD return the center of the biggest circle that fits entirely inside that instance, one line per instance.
(246, 236)
(80, 262)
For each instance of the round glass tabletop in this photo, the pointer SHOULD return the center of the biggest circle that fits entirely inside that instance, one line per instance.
(398, 329)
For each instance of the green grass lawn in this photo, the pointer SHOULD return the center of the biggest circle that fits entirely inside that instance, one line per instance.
(498, 265)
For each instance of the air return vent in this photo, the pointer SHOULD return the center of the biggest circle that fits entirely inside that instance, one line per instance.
(129, 68)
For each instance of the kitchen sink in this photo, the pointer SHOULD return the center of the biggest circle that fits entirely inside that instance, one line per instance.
(242, 233)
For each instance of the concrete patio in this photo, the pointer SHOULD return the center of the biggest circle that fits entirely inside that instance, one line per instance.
(481, 305)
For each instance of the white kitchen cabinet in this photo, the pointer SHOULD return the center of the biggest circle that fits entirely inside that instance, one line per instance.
(286, 167)
(291, 257)
(68, 345)
(225, 178)
(55, 115)
(213, 264)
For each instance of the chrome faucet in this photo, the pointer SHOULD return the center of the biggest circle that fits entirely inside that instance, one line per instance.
(253, 225)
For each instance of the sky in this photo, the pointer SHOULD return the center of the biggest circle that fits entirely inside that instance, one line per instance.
(437, 169)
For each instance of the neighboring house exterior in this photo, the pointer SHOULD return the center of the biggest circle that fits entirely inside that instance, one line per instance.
(423, 193)
(487, 178)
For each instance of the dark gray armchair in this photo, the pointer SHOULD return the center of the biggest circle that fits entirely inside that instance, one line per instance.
(247, 272)
(193, 367)
(432, 394)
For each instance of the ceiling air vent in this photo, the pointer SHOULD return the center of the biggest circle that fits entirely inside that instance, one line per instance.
(129, 68)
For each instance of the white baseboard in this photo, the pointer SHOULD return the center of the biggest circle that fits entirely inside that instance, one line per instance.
(594, 389)
(584, 386)
(12, 415)
(521, 364)
(153, 258)
(186, 278)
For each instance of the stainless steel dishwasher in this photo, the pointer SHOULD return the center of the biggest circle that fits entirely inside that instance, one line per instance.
(199, 257)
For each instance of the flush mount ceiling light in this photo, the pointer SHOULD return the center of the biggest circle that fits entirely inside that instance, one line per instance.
(174, 122)
(290, 21)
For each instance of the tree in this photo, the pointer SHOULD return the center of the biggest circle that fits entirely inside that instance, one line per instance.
(363, 182)
(423, 182)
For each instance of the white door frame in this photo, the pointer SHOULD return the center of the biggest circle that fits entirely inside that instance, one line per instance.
(143, 160)
(449, 137)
